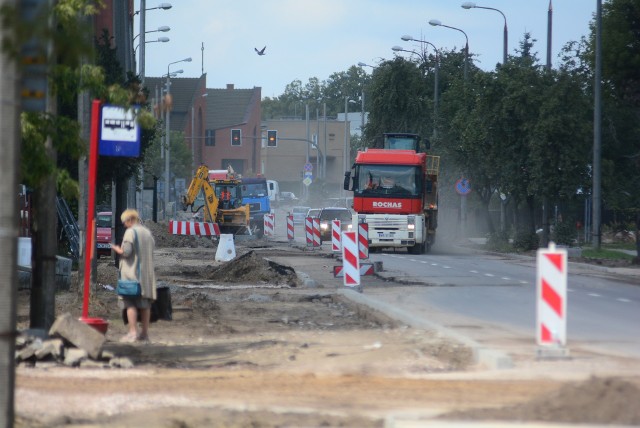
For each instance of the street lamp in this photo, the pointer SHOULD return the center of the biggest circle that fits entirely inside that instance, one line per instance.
(437, 23)
(362, 64)
(436, 95)
(143, 9)
(472, 5)
(167, 159)
(160, 40)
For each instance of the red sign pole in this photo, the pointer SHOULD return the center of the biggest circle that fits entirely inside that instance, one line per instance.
(91, 207)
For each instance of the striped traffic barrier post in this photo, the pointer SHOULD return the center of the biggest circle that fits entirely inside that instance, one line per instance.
(350, 260)
(335, 236)
(290, 228)
(268, 224)
(178, 227)
(363, 240)
(551, 300)
(308, 228)
(316, 232)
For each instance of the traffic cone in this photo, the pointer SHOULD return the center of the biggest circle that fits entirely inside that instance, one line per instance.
(226, 249)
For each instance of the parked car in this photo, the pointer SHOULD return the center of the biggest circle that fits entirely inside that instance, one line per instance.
(287, 197)
(103, 233)
(299, 213)
(334, 213)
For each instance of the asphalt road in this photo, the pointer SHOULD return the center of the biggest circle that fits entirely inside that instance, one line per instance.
(603, 309)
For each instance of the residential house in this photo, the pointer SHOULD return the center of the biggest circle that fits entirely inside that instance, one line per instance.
(232, 133)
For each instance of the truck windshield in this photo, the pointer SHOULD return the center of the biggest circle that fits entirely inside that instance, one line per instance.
(391, 180)
(401, 142)
(254, 190)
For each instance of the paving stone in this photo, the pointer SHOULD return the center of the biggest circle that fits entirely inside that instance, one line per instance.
(53, 347)
(121, 363)
(73, 356)
(79, 334)
(30, 350)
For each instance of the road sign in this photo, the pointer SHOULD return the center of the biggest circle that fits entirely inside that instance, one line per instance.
(119, 132)
(463, 187)
(307, 181)
(308, 166)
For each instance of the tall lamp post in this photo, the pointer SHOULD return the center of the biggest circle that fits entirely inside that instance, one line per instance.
(436, 77)
(160, 40)
(167, 159)
(143, 9)
(437, 23)
(472, 5)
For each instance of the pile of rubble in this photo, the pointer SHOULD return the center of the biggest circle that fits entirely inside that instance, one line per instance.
(70, 342)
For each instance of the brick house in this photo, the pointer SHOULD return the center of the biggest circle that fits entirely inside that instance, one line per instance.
(232, 134)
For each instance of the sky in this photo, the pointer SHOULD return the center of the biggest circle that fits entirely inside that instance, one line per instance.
(313, 38)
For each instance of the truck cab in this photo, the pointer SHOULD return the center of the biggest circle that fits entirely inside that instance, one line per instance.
(255, 194)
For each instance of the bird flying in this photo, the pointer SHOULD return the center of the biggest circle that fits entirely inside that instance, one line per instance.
(261, 51)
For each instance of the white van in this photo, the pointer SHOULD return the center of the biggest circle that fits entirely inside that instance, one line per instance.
(274, 190)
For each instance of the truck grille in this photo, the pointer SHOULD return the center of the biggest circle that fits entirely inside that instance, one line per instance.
(390, 224)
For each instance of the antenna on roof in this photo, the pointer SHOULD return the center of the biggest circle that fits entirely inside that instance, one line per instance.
(202, 62)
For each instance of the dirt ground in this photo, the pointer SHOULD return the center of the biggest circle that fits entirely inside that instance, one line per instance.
(250, 345)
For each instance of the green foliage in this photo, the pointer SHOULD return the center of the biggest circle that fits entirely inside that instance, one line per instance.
(498, 241)
(564, 232)
(525, 240)
(605, 254)
(154, 164)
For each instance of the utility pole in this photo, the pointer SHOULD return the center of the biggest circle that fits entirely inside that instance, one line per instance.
(545, 198)
(597, 134)
(9, 172)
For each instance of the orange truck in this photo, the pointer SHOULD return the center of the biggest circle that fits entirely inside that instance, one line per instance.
(395, 191)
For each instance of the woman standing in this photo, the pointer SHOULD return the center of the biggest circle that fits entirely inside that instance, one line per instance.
(137, 247)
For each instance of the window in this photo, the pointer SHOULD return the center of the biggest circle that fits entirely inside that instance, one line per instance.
(210, 137)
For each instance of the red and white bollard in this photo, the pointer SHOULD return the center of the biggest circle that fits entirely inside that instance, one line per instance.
(269, 223)
(551, 292)
(290, 229)
(336, 246)
(308, 228)
(350, 260)
(316, 232)
(363, 240)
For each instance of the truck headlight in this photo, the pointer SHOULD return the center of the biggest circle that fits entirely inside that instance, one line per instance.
(324, 226)
(411, 226)
(349, 227)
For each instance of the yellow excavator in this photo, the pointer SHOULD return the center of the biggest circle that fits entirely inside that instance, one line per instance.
(231, 219)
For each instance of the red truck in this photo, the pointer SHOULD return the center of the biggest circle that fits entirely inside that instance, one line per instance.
(395, 191)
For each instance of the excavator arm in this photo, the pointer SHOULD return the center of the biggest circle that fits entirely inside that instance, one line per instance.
(198, 183)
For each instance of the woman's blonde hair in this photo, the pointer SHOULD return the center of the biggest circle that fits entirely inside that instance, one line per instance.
(130, 214)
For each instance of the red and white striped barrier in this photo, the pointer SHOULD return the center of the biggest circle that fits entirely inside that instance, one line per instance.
(350, 260)
(551, 291)
(365, 269)
(308, 228)
(290, 228)
(269, 223)
(316, 232)
(363, 240)
(193, 228)
(336, 247)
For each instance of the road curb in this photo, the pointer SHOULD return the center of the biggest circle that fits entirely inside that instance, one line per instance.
(491, 358)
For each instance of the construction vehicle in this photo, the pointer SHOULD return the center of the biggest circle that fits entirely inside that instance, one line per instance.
(395, 191)
(233, 218)
(256, 195)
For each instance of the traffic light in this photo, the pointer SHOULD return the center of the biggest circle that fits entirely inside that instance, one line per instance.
(272, 138)
(236, 137)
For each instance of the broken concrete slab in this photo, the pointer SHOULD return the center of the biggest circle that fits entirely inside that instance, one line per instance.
(53, 347)
(29, 351)
(73, 356)
(121, 363)
(79, 334)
